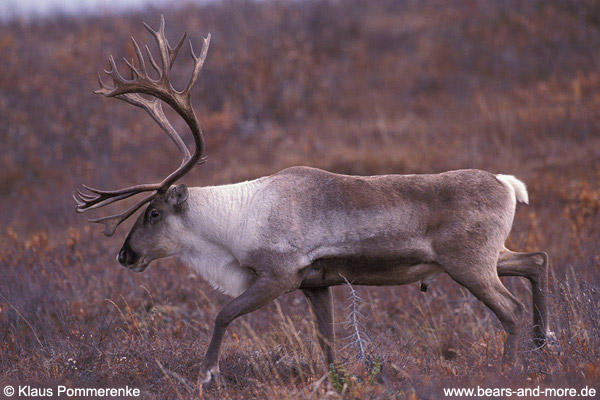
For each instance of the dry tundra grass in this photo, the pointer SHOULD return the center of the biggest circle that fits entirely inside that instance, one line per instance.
(355, 87)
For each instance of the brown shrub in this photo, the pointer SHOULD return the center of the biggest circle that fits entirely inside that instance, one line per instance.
(357, 87)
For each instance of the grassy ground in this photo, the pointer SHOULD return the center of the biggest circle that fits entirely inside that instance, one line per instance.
(354, 87)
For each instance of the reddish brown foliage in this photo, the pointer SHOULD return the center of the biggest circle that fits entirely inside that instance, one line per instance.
(356, 87)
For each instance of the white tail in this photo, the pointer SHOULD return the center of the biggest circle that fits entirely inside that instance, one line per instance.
(515, 185)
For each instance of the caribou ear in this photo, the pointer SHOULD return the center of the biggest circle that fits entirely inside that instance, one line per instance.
(177, 195)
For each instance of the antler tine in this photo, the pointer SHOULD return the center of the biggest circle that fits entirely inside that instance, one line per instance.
(78, 202)
(134, 70)
(103, 86)
(84, 196)
(137, 189)
(114, 71)
(153, 62)
(113, 221)
(99, 200)
(140, 57)
(174, 50)
(163, 47)
(198, 64)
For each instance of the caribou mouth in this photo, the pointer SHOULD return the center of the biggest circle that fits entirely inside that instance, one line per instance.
(141, 267)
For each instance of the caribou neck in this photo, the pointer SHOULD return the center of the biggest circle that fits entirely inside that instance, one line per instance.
(217, 214)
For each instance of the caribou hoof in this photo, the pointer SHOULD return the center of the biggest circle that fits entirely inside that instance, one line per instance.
(545, 340)
(209, 377)
(206, 378)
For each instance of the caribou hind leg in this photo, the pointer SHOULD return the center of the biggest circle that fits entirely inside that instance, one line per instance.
(321, 304)
(534, 267)
(484, 284)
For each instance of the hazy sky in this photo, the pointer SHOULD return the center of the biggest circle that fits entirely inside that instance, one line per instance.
(40, 8)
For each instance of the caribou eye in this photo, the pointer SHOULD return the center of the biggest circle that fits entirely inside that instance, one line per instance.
(154, 214)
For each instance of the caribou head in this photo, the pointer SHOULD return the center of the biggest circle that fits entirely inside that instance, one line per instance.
(150, 237)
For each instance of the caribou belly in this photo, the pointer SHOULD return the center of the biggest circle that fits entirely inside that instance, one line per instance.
(367, 271)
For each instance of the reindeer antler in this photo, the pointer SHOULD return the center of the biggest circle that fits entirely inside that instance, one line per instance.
(129, 90)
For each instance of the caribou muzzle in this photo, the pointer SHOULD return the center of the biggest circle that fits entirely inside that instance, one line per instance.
(130, 259)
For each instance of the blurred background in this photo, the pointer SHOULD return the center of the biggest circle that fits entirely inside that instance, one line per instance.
(356, 87)
(36, 9)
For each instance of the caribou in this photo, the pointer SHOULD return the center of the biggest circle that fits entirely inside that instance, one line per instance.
(309, 229)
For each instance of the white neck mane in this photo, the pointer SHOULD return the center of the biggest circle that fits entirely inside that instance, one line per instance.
(210, 241)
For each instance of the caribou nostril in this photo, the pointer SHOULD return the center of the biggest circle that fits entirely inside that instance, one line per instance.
(122, 257)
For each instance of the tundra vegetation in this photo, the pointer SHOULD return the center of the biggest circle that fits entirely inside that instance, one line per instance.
(355, 87)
